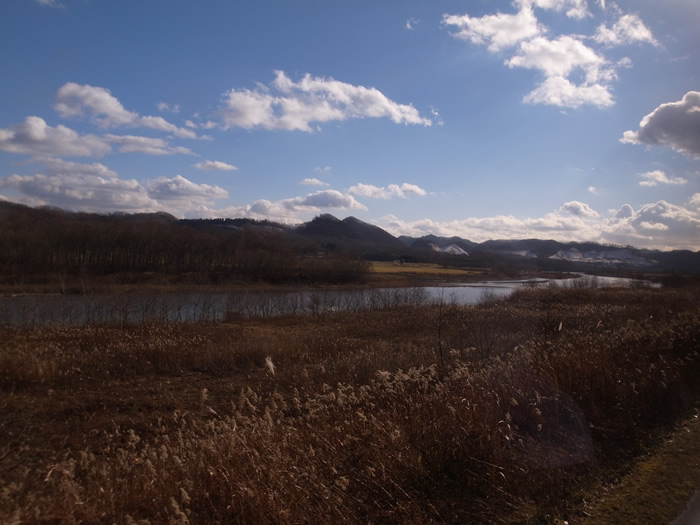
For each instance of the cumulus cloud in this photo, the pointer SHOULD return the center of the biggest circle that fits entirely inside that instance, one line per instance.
(324, 199)
(557, 59)
(106, 111)
(629, 29)
(625, 212)
(35, 137)
(389, 192)
(147, 145)
(178, 188)
(497, 31)
(215, 165)
(96, 188)
(574, 74)
(653, 178)
(289, 105)
(675, 125)
(312, 181)
(290, 210)
(659, 225)
(573, 8)
(579, 209)
(82, 188)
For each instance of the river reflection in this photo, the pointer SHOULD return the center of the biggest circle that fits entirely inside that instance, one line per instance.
(143, 307)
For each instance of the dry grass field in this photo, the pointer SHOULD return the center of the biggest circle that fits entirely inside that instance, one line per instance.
(506, 412)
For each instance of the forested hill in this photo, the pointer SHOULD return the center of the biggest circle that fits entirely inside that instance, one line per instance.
(47, 244)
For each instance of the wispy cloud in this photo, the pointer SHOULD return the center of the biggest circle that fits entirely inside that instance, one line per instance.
(574, 74)
(168, 108)
(146, 145)
(35, 137)
(656, 177)
(313, 182)
(411, 24)
(215, 165)
(391, 191)
(629, 29)
(289, 105)
(106, 111)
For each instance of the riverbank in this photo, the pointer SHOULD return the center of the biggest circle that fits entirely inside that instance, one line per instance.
(658, 487)
(380, 275)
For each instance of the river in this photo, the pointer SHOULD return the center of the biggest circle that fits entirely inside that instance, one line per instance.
(147, 306)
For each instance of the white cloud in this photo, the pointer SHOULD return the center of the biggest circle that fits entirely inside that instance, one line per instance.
(81, 187)
(290, 210)
(674, 124)
(574, 8)
(147, 145)
(411, 23)
(593, 190)
(35, 137)
(653, 178)
(215, 165)
(574, 73)
(179, 188)
(497, 31)
(313, 182)
(57, 166)
(107, 112)
(289, 105)
(324, 199)
(391, 191)
(629, 29)
(580, 209)
(625, 212)
(96, 188)
(323, 169)
(658, 225)
(559, 91)
(557, 59)
(695, 201)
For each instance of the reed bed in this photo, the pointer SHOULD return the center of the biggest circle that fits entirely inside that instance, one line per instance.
(500, 413)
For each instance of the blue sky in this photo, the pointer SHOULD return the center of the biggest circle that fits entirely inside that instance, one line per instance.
(487, 119)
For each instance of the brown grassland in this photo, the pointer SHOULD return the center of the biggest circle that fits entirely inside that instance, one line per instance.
(506, 412)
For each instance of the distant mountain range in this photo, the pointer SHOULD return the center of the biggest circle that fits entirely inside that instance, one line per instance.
(328, 234)
(352, 234)
(370, 240)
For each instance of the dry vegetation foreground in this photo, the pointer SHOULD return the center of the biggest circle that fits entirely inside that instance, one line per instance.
(507, 412)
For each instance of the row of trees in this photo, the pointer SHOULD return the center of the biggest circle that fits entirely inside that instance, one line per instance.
(37, 243)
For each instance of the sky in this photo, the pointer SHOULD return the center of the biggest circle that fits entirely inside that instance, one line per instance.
(573, 120)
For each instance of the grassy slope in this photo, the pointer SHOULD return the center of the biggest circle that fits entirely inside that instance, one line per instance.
(658, 485)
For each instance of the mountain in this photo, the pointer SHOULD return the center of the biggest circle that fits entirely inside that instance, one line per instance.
(328, 234)
(351, 234)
